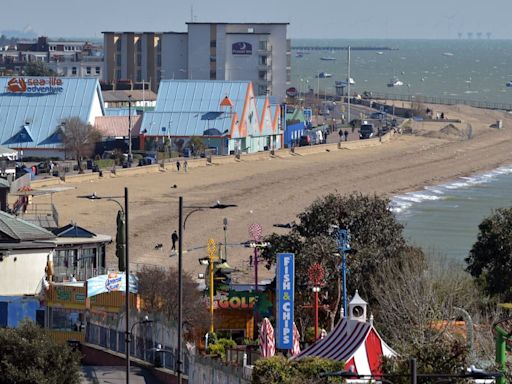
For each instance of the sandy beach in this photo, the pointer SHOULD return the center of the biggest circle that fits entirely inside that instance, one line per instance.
(275, 190)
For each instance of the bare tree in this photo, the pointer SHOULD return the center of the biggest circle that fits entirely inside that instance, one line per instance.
(80, 138)
(158, 288)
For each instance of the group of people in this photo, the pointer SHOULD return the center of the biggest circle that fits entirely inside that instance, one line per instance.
(343, 134)
(185, 166)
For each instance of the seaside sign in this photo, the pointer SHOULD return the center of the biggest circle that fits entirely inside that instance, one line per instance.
(112, 282)
(292, 92)
(35, 85)
(285, 288)
(241, 48)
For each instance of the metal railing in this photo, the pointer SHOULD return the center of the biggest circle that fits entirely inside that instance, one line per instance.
(236, 356)
(143, 347)
(441, 100)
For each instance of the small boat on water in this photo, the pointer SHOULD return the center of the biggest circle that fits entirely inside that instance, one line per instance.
(299, 54)
(509, 84)
(379, 53)
(328, 58)
(395, 83)
(324, 75)
(447, 54)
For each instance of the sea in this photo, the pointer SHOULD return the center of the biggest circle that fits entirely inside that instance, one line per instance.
(476, 69)
(441, 219)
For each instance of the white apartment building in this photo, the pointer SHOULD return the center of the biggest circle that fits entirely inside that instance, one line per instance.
(257, 52)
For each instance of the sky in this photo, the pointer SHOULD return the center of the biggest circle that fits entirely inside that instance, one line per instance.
(360, 19)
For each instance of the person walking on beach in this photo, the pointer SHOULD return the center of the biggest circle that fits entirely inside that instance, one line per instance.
(346, 135)
(340, 132)
(174, 239)
(178, 165)
(185, 166)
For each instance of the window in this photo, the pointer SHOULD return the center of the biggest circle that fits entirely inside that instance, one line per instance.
(118, 74)
(73, 71)
(159, 60)
(139, 59)
(213, 59)
(139, 75)
(262, 75)
(213, 74)
(213, 43)
(88, 70)
(98, 70)
(263, 60)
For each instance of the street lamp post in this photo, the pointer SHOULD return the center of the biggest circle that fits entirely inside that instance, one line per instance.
(129, 130)
(182, 222)
(225, 222)
(343, 244)
(124, 209)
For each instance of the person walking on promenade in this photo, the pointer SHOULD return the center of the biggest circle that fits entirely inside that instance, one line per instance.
(178, 165)
(185, 166)
(174, 239)
(340, 132)
(346, 135)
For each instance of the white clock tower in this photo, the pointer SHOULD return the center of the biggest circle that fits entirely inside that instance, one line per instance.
(357, 308)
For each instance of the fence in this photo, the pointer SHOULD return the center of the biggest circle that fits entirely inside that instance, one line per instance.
(143, 345)
(441, 100)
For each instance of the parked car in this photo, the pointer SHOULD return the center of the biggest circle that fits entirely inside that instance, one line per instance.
(366, 131)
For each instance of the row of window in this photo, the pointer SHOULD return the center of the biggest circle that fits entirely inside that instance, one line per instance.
(88, 70)
(66, 48)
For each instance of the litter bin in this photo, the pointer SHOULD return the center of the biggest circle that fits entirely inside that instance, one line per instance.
(90, 164)
(186, 152)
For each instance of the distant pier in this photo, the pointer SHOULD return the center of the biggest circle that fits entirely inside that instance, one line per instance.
(321, 48)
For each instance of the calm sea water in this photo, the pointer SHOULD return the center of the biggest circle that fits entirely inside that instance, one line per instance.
(464, 69)
(444, 219)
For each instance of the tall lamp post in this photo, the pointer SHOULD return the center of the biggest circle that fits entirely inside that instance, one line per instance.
(129, 130)
(182, 223)
(316, 275)
(343, 245)
(124, 210)
(225, 227)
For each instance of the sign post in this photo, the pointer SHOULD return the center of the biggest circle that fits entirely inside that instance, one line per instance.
(285, 288)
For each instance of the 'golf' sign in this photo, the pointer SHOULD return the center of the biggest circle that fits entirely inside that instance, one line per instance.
(285, 272)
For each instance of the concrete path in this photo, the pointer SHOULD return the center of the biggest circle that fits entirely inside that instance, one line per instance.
(115, 375)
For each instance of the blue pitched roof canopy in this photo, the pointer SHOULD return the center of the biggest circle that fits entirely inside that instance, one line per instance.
(191, 107)
(46, 110)
(54, 138)
(22, 136)
(73, 230)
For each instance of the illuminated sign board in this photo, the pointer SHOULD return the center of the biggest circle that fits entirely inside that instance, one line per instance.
(241, 48)
(285, 288)
(35, 85)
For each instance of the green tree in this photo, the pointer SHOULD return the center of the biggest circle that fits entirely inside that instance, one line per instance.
(490, 257)
(38, 68)
(196, 145)
(280, 370)
(80, 139)
(29, 356)
(376, 235)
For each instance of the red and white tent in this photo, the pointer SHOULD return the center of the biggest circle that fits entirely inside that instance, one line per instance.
(357, 343)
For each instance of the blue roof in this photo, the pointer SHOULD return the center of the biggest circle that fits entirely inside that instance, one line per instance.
(193, 106)
(39, 115)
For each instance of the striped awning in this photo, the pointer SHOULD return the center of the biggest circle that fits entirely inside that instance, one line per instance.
(355, 342)
(341, 343)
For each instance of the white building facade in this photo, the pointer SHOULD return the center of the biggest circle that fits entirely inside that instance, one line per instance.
(256, 52)
(259, 52)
